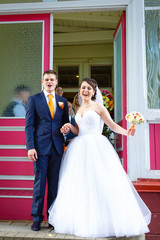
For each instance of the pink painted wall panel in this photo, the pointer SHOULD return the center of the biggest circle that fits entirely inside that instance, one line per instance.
(154, 137)
(12, 122)
(14, 208)
(20, 211)
(157, 145)
(119, 137)
(120, 154)
(13, 153)
(12, 138)
(16, 168)
(16, 192)
(152, 146)
(119, 141)
(16, 183)
(25, 17)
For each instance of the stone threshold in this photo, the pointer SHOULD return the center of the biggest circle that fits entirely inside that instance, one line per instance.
(15, 230)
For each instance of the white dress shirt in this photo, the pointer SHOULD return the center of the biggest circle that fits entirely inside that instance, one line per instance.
(53, 99)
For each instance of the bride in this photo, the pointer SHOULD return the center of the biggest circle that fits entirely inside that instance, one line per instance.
(95, 196)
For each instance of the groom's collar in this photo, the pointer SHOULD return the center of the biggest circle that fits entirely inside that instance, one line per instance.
(46, 93)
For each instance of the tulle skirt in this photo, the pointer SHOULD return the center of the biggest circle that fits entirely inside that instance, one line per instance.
(95, 196)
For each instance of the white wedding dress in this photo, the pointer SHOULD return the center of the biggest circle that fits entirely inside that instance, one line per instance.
(95, 196)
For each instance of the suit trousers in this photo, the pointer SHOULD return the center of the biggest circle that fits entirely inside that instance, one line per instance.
(46, 168)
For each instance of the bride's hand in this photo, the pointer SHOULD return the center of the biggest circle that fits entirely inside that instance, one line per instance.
(65, 128)
(131, 132)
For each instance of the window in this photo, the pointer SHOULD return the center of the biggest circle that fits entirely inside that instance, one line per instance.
(151, 3)
(102, 74)
(152, 34)
(152, 18)
(21, 66)
(68, 76)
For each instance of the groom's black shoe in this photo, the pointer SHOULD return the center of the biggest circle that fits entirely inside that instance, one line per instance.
(50, 226)
(36, 226)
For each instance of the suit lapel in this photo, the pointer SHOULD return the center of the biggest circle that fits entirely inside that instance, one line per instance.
(44, 103)
(57, 106)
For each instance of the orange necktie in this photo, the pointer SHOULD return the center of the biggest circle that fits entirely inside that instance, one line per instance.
(51, 105)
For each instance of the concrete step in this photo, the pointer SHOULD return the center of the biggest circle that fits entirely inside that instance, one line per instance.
(13, 230)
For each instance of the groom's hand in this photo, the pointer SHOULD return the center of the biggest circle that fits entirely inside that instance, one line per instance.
(32, 155)
(65, 128)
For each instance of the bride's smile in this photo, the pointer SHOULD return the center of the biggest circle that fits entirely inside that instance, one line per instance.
(86, 91)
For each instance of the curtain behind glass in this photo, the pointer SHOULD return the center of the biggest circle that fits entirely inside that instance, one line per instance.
(20, 66)
(152, 3)
(152, 19)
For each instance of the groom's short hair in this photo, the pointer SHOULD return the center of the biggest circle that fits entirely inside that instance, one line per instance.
(50, 72)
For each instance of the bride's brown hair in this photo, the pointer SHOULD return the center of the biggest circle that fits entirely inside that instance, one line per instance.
(92, 83)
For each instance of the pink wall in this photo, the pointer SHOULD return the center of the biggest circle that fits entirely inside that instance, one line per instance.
(154, 133)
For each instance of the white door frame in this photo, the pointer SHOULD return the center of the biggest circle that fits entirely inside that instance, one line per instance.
(64, 6)
(136, 63)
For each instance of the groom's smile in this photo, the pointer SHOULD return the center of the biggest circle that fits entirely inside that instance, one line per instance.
(49, 82)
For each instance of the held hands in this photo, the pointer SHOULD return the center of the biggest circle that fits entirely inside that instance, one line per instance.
(131, 132)
(66, 128)
(32, 155)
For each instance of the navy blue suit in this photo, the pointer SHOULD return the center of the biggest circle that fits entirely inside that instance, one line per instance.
(43, 134)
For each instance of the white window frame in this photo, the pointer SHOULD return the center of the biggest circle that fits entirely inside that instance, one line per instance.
(152, 117)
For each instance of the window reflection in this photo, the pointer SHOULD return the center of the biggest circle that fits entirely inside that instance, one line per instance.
(17, 107)
(21, 66)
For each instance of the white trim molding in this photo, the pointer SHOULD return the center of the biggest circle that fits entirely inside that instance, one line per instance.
(16, 177)
(16, 188)
(51, 41)
(12, 146)
(63, 6)
(12, 129)
(14, 159)
(11, 196)
(135, 30)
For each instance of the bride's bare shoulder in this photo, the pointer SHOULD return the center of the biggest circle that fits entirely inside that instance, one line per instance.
(98, 105)
(99, 108)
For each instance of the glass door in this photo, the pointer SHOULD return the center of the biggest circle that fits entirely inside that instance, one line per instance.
(120, 86)
(25, 54)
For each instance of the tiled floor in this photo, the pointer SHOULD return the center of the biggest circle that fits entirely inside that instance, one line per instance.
(13, 230)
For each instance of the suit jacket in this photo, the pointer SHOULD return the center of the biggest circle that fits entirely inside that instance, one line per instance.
(41, 130)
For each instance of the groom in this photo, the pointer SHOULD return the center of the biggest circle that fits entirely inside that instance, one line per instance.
(46, 113)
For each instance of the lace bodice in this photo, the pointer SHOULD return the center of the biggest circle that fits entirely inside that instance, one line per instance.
(90, 123)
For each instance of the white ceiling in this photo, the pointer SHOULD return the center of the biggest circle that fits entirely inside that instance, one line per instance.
(85, 27)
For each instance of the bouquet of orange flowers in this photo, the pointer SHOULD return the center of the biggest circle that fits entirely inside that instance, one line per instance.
(134, 118)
